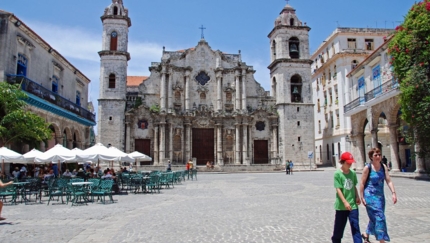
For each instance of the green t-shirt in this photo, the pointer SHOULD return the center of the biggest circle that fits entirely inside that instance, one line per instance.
(347, 183)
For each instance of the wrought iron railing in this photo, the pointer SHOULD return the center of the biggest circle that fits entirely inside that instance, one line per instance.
(380, 90)
(34, 88)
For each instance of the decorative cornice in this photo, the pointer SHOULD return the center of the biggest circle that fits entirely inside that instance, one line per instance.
(307, 28)
(126, 18)
(115, 53)
(288, 60)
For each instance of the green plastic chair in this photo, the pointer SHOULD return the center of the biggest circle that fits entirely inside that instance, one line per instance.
(105, 189)
(8, 191)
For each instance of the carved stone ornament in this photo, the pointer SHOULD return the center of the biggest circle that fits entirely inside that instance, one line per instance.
(142, 124)
(203, 122)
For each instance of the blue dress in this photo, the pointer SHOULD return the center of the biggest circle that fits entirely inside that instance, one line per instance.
(375, 200)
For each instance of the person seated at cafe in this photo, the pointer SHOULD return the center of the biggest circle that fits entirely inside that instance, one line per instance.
(16, 173)
(81, 173)
(112, 172)
(48, 176)
(36, 172)
(67, 173)
(41, 174)
(107, 175)
(23, 172)
(125, 170)
(74, 172)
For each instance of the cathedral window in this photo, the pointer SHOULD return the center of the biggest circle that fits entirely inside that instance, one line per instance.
(54, 84)
(274, 49)
(298, 124)
(113, 41)
(115, 10)
(296, 88)
(292, 22)
(111, 81)
(274, 87)
(294, 48)
(202, 78)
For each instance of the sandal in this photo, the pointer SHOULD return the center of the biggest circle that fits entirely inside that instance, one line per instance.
(1, 218)
(365, 238)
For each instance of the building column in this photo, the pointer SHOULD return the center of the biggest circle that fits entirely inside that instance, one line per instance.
(393, 148)
(219, 90)
(170, 93)
(171, 142)
(162, 143)
(42, 146)
(127, 139)
(70, 144)
(156, 151)
(187, 92)
(274, 143)
(237, 146)
(420, 168)
(58, 140)
(187, 142)
(250, 144)
(163, 89)
(219, 144)
(244, 108)
(374, 133)
(359, 138)
(245, 144)
(237, 100)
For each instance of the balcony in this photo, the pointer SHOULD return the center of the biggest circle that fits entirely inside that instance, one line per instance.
(383, 92)
(44, 98)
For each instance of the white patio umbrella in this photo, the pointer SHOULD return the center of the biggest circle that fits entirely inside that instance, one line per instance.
(59, 154)
(9, 156)
(31, 155)
(138, 156)
(121, 155)
(96, 153)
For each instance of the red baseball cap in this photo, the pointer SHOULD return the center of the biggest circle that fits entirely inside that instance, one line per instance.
(347, 157)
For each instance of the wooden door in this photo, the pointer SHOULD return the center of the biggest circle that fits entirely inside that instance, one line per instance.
(143, 146)
(261, 152)
(203, 145)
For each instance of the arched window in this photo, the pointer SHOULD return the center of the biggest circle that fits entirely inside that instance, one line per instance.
(75, 141)
(292, 22)
(328, 152)
(274, 49)
(115, 10)
(296, 88)
(294, 47)
(21, 68)
(113, 41)
(65, 139)
(274, 87)
(78, 98)
(111, 81)
(54, 84)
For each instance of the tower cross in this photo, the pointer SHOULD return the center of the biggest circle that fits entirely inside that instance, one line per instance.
(202, 28)
(288, 1)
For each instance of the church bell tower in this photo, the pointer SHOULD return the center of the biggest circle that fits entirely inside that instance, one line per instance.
(290, 74)
(114, 57)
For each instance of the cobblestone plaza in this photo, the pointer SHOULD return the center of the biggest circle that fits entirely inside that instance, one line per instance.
(243, 207)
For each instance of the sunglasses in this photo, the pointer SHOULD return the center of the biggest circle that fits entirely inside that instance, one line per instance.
(376, 155)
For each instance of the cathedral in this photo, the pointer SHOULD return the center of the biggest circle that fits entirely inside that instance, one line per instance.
(204, 104)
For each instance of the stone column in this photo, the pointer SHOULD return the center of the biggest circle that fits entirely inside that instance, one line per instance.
(187, 92)
(162, 143)
(42, 146)
(188, 141)
(250, 144)
(163, 89)
(245, 143)
(59, 140)
(237, 146)
(237, 100)
(287, 49)
(170, 93)
(181, 157)
(359, 138)
(219, 90)
(171, 130)
(274, 143)
(156, 150)
(127, 139)
(374, 133)
(244, 90)
(69, 143)
(393, 148)
(219, 145)
(418, 160)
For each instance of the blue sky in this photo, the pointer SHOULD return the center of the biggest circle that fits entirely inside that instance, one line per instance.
(74, 27)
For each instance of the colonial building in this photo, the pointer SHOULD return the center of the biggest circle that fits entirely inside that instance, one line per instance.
(57, 90)
(205, 104)
(375, 113)
(340, 53)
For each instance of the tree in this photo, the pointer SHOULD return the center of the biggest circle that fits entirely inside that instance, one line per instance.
(410, 52)
(17, 124)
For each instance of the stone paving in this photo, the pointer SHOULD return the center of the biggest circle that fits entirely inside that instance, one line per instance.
(243, 207)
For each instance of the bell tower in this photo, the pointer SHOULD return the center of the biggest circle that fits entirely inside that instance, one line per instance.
(114, 57)
(290, 74)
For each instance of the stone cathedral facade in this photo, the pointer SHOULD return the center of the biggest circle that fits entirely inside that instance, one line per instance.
(203, 104)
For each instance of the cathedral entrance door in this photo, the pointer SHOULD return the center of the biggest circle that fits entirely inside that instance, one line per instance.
(261, 152)
(143, 146)
(203, 145)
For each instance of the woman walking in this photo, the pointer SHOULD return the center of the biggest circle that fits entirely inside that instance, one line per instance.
(372, 196)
